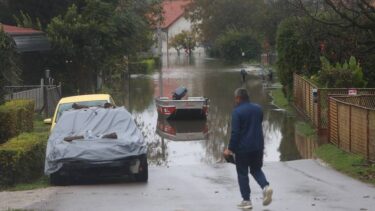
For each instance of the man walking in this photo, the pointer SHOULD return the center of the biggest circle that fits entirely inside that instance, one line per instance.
(243, 75)
(247, 144)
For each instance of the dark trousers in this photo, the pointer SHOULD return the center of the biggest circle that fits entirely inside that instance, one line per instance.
(254, 162)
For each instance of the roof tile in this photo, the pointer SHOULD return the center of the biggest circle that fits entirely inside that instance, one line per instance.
(173, 10)
(14, 30)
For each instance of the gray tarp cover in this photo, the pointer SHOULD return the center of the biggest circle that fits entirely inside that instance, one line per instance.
(93, 123)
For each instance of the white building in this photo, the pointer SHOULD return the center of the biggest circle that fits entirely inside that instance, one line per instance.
(174, 23)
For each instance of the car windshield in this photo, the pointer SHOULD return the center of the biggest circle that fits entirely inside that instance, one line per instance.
(66, 106)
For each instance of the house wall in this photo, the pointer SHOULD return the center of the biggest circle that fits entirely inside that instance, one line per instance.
(182, 24)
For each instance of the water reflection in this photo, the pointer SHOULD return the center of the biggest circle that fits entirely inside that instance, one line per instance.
(179, 143)
(182, 130)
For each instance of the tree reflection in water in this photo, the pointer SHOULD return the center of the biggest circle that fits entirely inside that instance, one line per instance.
(156, 146)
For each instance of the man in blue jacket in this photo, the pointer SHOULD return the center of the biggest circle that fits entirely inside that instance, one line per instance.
(247, 144)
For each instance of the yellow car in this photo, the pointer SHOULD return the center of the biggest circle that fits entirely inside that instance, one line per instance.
(82, 100)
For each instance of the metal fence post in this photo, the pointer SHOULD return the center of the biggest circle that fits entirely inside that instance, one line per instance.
(60, 90)
(45, 98)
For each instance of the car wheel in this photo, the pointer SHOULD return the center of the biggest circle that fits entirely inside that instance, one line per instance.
(142, 176)
(57, 179)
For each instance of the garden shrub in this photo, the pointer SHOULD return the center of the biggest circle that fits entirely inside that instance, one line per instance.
(15, 117)
(22, 158)
(346, 75)
(143, 67)
(235, 46)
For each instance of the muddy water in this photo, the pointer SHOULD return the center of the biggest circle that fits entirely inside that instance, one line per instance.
(192, 142)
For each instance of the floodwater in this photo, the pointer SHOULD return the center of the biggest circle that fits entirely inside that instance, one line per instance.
(192, 142)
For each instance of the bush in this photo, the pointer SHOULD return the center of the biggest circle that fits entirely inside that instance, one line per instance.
(15, 117)
(232, 44)
(22, 158)
(347, 75)
(143, 67)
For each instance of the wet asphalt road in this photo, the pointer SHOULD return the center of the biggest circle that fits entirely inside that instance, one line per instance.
(298, 185)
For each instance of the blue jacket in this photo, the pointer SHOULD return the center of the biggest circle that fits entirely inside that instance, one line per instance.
(247, 130)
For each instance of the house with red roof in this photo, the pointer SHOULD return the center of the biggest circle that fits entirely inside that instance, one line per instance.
(32, 46)
(26, 39)
(174, 22)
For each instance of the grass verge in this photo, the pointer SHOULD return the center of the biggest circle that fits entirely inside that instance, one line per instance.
(305, 128)
(42, 182)
(353, 165)
(39, 125)
(280, 100)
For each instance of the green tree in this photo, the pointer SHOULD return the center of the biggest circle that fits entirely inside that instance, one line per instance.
(298, 50)
(25, 20)
(236, 46)
(8, 63)
(184, 40)
(86, 41)
(212, 18)
(42, 10)
(349, 30)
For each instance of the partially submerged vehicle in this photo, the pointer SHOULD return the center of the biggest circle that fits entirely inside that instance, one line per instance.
(182, 130)
(180, 108)
(96, 141)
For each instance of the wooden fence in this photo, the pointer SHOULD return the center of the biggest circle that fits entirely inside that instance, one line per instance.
(315, 106)
(352, 124)
(45, 97)
(304, 99)
(306, 145)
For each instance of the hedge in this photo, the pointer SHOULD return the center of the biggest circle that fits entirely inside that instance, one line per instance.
(22, 158)
(15, 117)
(143, 67)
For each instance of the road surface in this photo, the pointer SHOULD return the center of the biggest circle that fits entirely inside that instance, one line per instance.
(298, 185)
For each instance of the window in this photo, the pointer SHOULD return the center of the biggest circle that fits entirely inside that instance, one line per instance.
(67, 106)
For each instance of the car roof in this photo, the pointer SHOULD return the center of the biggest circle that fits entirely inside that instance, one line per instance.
(82, 98)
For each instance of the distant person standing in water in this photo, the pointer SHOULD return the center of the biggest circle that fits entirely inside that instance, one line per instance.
(270, 75)
(247, 144)
(243, 74)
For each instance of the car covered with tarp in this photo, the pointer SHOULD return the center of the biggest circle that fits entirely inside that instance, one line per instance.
(96, 141)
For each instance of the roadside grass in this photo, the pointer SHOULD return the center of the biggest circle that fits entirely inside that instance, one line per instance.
(353, 165)
(305, 128)
(280, 100)
(42, 182)
(39, 125)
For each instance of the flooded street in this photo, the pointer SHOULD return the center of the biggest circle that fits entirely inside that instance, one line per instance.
(192, 142)
(187, 170)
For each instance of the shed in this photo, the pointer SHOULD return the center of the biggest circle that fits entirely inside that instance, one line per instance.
(27, 39)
